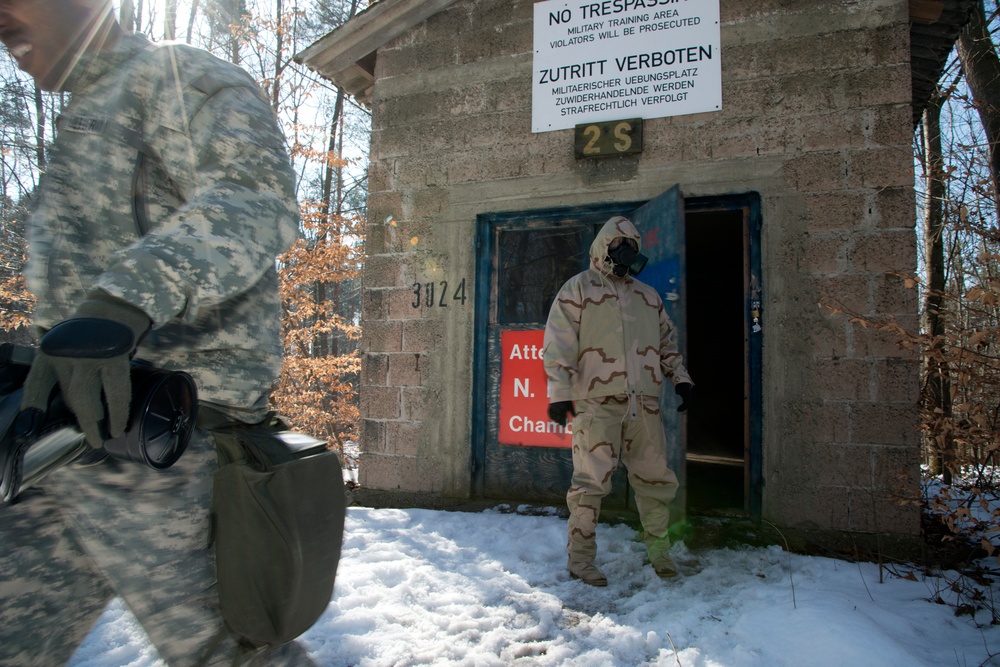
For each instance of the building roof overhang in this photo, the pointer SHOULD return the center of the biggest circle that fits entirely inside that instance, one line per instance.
(934, 29)
(346, 55)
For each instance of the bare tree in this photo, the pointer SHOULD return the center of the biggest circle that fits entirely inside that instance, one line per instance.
(937, 377)
(981, 65)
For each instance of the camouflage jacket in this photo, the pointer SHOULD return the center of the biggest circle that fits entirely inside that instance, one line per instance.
(169, 186)
(608, 335)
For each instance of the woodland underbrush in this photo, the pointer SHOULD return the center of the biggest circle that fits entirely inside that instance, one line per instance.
(961, 532)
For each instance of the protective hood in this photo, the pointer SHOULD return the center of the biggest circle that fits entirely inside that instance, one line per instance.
(613, 228)
(608, 336)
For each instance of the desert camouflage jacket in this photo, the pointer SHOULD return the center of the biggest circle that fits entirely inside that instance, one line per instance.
(169, 186)
(608, 335)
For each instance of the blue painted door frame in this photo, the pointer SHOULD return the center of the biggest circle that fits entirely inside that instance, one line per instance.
(528, 474)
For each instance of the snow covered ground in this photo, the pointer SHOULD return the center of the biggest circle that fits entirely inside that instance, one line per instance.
(422, 587)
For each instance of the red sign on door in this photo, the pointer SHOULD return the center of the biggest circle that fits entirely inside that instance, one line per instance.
(524, 401)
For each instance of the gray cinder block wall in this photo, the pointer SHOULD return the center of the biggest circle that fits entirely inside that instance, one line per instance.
(816, 118)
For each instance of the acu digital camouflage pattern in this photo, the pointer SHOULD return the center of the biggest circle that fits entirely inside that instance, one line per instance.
(169, 186)
(118, 529)
(609, 346)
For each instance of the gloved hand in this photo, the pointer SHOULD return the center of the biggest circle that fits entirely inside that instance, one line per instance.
(559, 410)
(685, 390)
(87, 356)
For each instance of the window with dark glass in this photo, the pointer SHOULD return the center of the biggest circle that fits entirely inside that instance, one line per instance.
(533, 264)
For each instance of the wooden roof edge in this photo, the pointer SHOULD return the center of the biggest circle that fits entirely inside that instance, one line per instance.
(351, 42)
(931, 42)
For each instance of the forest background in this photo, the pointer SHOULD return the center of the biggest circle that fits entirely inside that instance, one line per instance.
(327, 136)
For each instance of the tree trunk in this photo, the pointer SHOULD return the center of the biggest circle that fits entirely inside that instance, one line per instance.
(982, 73)
(126, 15)
(191, 17)
(234, 32)
(170, 20)
(321, 344)
(137, 18)
(938, 378)
(278, 56)
(39, 130)
(332, 203)
(331, 147)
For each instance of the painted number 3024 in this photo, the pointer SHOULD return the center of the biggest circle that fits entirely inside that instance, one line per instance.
(432, 295)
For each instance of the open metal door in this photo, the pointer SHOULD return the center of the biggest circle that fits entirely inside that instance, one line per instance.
(661, 224)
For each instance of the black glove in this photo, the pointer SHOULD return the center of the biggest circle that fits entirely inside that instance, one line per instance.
(559, 410)
(88, 356)
(685, 391)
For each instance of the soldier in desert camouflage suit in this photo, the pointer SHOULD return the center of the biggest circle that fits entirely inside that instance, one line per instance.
(609, 346)
(167, 196)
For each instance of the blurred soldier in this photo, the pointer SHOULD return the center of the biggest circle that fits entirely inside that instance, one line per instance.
(167, 196)
(609, 346)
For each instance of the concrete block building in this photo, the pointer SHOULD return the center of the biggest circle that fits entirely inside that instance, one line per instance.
(789, 190)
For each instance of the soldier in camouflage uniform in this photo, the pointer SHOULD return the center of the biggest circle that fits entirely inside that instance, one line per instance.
(609, 346)
(166, 198)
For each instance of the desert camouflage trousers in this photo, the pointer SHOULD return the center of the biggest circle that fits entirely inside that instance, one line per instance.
(118, 529)
(605, 431)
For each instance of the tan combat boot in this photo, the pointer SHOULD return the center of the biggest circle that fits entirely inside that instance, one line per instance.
(582, 550)
(588, 574)
(658, 549)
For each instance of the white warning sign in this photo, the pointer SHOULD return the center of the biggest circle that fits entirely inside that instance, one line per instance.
(598, 61)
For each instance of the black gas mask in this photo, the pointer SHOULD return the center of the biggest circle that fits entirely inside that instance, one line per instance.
(625, 257)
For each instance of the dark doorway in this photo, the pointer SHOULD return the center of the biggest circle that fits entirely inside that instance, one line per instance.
(720, 351)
